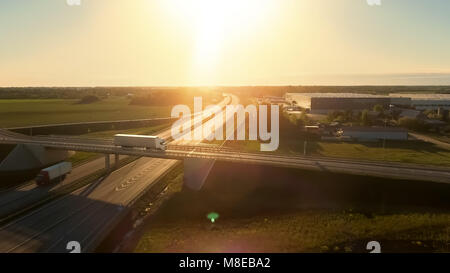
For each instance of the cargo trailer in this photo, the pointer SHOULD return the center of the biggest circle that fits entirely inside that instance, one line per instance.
(139, 141)
(55, 173)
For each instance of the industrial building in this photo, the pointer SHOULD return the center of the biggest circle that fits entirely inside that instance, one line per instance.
(422, 101)
(272, 100)
(324, 103)
(373, 133)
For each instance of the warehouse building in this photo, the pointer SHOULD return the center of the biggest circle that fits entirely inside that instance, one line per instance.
(422, 101)
(373, 133)
(324, 103)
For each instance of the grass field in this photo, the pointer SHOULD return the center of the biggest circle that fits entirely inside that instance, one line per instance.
(396, 151)
(408, 152)
(266, 217)
(303, 231)
(81, 157)
(23, 112)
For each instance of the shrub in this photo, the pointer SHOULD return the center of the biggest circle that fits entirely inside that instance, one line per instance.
(88, 99)
(413, 124)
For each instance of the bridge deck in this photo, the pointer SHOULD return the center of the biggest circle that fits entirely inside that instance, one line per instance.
(180, 152)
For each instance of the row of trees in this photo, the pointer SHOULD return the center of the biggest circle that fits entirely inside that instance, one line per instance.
(299, 120)
(178, 96)
(58, 92)
(413, 124)
(364, 117)
(443, 115)
(100, 92)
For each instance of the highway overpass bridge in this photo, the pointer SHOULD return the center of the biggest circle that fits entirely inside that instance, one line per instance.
(89, 213)
(199, 151)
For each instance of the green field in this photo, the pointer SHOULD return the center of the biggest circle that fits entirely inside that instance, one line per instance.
(81, 157)
(416, 152)
(396, 151)
(407, 152)
(303, 231)
(26, 112)
(270, 219)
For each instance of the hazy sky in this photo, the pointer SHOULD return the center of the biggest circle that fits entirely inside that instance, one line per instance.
(229, 42)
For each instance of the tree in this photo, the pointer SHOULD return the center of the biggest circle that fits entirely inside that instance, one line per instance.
(378, 108)
(348, 115)
(413, 124)
(394, 114)
(88, 99)
(365, 117)
(335, 116)
(445, 115)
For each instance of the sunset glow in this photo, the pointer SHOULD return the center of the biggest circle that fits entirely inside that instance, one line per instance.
(214, 42)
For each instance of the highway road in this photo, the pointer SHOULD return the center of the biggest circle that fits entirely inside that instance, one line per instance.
(28, 194)
(85, 215)
(88, 214)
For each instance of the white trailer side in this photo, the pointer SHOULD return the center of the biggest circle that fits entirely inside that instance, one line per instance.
(140, 141)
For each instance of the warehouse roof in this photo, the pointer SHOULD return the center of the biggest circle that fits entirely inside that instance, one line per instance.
(421, 96)
(337, 95)
(373, 129)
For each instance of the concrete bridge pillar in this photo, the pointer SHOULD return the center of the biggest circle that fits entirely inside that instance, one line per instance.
(116, 161)
(107, 163)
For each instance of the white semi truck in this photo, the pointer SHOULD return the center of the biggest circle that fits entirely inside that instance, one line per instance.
(139, 141)
(53, 173)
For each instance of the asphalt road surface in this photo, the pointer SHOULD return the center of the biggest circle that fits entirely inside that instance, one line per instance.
(23, 196)
(87, 214)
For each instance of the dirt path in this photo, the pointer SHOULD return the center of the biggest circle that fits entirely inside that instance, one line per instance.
(431, 140)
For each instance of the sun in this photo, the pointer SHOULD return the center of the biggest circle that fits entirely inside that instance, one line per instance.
(216, 24)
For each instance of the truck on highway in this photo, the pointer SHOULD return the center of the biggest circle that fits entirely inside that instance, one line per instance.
(53, 173)
(139, 141)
